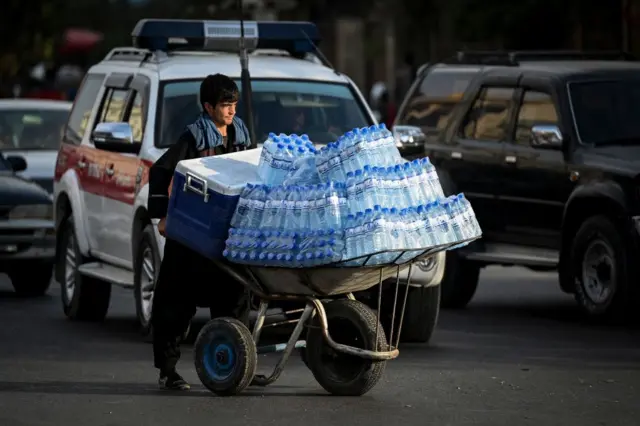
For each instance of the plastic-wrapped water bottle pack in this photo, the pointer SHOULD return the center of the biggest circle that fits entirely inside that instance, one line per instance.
(355, 200)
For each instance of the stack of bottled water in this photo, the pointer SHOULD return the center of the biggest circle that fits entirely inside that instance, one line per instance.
(355, 201)
(355, 149)
(292, 226)
(400, 186)
(282, 155)
(390, 234)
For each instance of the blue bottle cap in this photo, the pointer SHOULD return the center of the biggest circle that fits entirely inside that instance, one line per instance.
(349, 174)
(225, 253)
(280, 145)
(368, 211)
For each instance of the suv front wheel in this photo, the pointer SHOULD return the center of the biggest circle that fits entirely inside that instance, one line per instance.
(145, 276)
(600, 268)
(459, 283)
(83, 298)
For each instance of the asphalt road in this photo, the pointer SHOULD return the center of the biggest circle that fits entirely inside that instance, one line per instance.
(520, 355)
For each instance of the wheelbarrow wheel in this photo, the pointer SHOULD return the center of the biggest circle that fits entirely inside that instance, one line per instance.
(225, 356)
(350, 323)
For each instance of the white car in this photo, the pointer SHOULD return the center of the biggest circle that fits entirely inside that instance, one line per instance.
(105, 236)
(31, 129)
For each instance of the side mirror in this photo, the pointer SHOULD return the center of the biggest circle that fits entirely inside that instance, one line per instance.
(115, 137)
(18, 164)
(546, 136)
(408, 136)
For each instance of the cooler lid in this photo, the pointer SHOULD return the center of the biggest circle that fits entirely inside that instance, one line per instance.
(225, 174)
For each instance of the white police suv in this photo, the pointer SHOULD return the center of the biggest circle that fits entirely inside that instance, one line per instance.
(104, 234)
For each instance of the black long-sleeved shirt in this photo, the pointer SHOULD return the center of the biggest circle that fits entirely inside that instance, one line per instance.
(162, 171)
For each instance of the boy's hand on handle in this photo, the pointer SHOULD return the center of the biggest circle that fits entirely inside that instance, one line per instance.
(161, 226)
(163, 222)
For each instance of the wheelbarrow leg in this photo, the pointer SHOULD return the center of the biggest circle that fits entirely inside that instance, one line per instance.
(261, 380)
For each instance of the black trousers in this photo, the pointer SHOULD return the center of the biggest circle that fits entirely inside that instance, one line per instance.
(187, 280)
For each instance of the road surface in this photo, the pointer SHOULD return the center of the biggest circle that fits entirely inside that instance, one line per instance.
(520, 355)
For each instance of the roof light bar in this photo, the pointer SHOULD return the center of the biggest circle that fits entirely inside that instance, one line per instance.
(297, 38)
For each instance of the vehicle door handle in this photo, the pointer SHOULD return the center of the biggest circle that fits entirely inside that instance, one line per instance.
(456, 155)
(109, 171)
(511, 159)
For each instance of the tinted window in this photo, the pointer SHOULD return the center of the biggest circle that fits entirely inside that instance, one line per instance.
(82, 107)
(113, 106)
(432, 102)
(536, 108)
(324, 111)
(607, 111)
(488, 118)
(136, 119)
(31, 128)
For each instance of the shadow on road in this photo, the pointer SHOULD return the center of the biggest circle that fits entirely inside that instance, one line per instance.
(140, 389)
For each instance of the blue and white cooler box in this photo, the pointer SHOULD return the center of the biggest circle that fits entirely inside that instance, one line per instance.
(204, 197)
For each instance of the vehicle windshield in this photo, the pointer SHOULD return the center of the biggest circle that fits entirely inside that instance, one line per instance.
(324, 111)
(434, 99)
(31, 129)
(606, 112)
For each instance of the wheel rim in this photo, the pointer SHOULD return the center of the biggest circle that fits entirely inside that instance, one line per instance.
(219, 360)
(598, 272)
(341, 366)
(71, 262)
(147, 283)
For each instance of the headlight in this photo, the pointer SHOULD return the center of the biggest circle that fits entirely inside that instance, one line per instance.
(408, 136)
(32, 211)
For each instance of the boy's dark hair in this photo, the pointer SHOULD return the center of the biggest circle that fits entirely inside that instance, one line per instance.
(218, 88)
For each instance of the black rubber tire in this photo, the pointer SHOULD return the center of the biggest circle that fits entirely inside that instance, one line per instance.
(147, 240)
(619, 304)
(459, 283)
(364, 374)
(33, 281)
(420, 315)
(91, 297)
(236, 337)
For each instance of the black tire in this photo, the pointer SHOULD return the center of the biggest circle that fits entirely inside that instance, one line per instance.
(146, 254)
(88, 298)
(598, 234)
(420, 315)
(33, 281)
(230, 340)
(459, 283)
(350, 323)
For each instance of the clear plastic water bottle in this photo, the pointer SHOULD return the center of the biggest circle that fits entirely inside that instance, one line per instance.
(333, 212)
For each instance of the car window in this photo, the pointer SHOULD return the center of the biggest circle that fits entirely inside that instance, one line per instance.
(488, 117)
(136, 119)
(434, 99)
(82, 107)
(536, 108)
(32, 128)
(324, 111)
(113, 106)
(607, 111)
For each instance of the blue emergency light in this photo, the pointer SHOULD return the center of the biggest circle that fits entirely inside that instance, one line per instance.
(297, 38)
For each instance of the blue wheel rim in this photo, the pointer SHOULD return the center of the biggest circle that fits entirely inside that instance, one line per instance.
(219, 359)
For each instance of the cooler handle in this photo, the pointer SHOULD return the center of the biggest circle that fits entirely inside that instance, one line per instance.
(200, 186)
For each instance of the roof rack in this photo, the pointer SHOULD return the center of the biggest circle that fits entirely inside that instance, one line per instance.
(513, 58)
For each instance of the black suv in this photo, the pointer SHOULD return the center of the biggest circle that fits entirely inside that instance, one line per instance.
(546, 145)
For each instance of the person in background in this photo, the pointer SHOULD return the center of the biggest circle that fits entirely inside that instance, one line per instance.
(186, 277)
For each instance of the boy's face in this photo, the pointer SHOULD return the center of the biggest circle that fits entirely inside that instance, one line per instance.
(222, 113)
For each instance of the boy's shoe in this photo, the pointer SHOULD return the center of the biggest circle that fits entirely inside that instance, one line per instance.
(173, 381)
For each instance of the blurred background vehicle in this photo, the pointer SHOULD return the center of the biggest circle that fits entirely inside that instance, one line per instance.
(27, 241)
(32, 129)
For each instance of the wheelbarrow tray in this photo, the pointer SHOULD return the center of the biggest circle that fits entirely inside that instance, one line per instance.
(328, 280)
